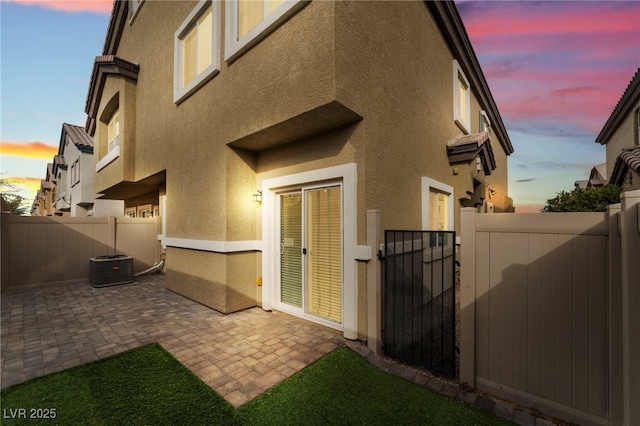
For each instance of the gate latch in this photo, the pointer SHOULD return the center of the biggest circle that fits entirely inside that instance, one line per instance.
(380, 255)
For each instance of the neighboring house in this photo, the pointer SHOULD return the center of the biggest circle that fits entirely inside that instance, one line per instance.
(321, 111)
(597, 178)
(43, 204)
(74, 173)
(621, 136)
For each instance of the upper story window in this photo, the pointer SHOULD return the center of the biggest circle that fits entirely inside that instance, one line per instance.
(113, 131)
(247, 21)
(134, 6)
(196, 50)
(75, 172)
(485, 123)
(637, 119)
(461, 98)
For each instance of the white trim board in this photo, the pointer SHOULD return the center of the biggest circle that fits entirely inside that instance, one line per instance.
(213, 246)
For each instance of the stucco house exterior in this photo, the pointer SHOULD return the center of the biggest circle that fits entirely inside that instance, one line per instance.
(72, 172)
(621, 137)
(265, 131)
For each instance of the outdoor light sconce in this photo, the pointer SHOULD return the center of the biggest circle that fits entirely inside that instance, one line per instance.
(492, 192)
(257, 197)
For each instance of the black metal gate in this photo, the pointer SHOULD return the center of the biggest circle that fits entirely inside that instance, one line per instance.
(419, 299)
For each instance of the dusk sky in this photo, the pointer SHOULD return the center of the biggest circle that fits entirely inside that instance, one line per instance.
(556, 70)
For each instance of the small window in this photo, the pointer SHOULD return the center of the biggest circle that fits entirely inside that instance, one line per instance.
(113, 131)
(438, 210)
(437, 205)
(461, 98)
(485, 123)
(75, 172)
(196, 53)
(134, 7)
(247, 21)
(637, 118)
(130, 212)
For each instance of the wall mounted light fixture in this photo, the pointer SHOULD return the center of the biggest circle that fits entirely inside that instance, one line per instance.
(257, 197)
(492, 192)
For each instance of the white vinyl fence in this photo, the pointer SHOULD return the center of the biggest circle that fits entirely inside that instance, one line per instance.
(56, 250)
(550, 310)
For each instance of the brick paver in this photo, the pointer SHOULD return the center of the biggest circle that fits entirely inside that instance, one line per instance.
(240, 355)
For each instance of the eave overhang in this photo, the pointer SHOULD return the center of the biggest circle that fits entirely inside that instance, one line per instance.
(103, 67)
(451, 26)
(127, 189)
(467, 148)
(624, 107)
(629, 159)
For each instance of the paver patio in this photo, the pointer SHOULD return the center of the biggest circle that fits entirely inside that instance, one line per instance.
(240, 355)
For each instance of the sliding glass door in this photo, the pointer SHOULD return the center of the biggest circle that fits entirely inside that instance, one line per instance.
(311, 251)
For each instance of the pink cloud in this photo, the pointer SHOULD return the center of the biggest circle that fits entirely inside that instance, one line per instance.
(566, 63)
(72, 6)
(522, 17)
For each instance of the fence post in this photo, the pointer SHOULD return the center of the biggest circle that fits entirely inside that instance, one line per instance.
(111, 229)
(467, 295)
(615, 315)
(374, 285)
(630, 256)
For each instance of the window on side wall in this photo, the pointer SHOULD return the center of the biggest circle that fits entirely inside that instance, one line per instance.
(134, 6)
(196, 57)
(75, 172)
(247, 21)
(113, 131)
(461, 98)
(485, 123)
(637, 118)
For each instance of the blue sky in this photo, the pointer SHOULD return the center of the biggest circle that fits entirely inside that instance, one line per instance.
(46, 61)
(556, 70)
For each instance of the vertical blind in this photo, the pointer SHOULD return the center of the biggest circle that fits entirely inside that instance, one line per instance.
(324, 249)
(291, 249)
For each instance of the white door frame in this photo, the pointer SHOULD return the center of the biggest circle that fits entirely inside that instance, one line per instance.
(270, 227)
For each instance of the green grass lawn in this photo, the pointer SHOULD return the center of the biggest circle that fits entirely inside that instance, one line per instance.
(147, 386)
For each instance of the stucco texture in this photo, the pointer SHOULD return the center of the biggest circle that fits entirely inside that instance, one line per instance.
(365, 83)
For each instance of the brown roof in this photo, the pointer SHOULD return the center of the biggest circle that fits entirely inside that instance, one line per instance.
(59, 161)
(624, 107)
(466, 148)
(102, 67)
(77, 136)
(629, 159)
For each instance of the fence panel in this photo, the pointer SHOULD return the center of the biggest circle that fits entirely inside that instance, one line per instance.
(52, 250)
(540, 310)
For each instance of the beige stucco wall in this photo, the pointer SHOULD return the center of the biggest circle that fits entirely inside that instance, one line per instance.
(324, 68)
(400, 78)
(623, 137)
(118, 92)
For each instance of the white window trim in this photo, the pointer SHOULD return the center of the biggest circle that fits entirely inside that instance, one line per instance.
(348, 174)
(485, 123)
(427, 185)
(181, 93)
(134, 8)
(234, 48)
(457, 73)
(108, 159)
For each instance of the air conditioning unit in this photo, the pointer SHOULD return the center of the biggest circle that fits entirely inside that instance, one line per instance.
(110, 270)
